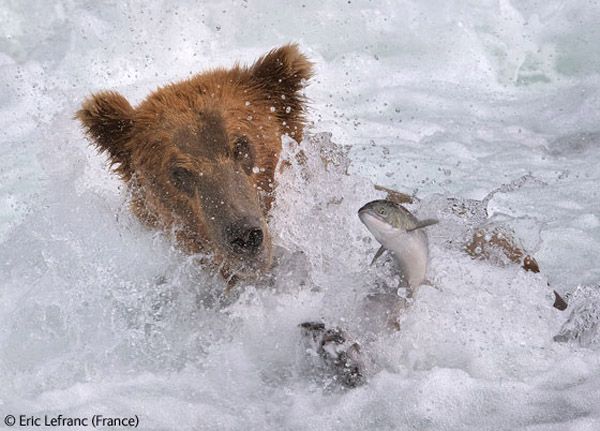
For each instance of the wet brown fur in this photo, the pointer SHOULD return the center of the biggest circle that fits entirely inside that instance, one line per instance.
(484, 245)
(190, 150)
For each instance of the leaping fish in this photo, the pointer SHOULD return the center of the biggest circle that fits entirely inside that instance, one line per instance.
(401, 233)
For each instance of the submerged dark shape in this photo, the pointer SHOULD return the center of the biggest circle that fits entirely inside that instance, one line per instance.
(559, 302)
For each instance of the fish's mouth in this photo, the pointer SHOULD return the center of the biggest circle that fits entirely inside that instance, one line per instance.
(377, 225)
(364, 212)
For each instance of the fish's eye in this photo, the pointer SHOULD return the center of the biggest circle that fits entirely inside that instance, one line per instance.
(382, 211)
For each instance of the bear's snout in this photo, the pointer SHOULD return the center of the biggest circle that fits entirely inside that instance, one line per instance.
(245, 237)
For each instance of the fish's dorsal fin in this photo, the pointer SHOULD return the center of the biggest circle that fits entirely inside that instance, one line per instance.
(423, 223)
(378, 254)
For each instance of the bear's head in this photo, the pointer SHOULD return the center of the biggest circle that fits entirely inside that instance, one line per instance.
(200, 155)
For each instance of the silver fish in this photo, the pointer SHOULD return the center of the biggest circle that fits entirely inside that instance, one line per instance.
(401, 233)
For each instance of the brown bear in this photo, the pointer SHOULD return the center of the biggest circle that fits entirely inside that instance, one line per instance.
(199, 155)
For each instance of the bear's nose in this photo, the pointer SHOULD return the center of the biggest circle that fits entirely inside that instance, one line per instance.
(245, 238)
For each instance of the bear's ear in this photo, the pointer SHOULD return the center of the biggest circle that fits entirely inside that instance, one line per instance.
(108, 118)
(281, 74)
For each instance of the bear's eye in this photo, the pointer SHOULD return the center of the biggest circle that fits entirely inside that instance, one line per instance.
(183, 179)
(242, 152)
(241, 149)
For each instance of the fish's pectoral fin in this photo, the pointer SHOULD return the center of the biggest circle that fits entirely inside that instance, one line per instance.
(378, 254)
(423, 223)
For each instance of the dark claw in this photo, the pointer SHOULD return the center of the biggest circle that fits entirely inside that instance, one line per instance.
(343, 360)
(313, 326)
